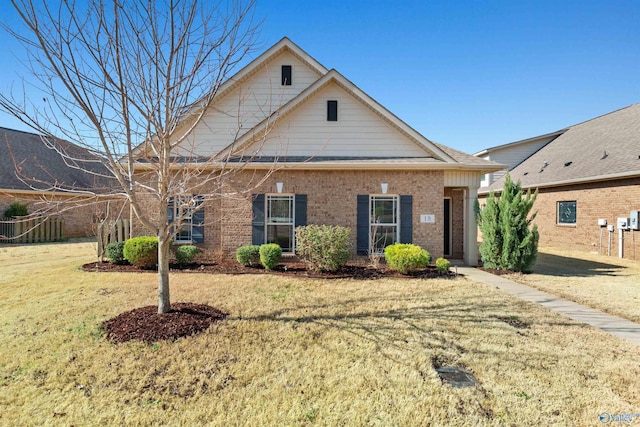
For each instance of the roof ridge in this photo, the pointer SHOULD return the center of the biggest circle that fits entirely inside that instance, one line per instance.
(21, 131)
(603, 115)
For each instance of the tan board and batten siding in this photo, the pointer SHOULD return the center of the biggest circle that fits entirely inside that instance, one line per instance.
(242, 108)
(461, 179)
(358, 131)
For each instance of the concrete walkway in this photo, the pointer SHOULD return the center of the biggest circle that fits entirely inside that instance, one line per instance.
(612, 324)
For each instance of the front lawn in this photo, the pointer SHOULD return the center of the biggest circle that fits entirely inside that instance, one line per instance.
(296, 351)
(606, 283)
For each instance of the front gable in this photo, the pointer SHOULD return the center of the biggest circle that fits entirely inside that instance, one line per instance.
(251, 99)
(358, 131)
(255, 114)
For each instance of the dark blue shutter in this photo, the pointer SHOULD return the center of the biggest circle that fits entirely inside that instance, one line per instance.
(257, 224)
(406, 219)
(363, 224)
(197, 222)
(170, 211)
(301, 209)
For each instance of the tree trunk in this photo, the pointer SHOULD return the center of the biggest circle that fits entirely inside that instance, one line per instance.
(164, 304)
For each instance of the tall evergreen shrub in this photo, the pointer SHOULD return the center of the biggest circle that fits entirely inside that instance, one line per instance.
(509, 240)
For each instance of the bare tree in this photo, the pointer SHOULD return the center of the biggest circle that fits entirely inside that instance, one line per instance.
(130, 81)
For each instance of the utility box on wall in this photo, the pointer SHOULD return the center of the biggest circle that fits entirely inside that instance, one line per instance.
(623, 223)
(634, 220)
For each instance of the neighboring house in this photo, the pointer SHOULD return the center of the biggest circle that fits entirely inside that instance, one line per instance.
(341, 159)
(37, 175)
(513, 154)
(584, 173)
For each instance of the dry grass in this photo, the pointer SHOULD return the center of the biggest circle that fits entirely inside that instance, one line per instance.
(606, 283)
(295, 352)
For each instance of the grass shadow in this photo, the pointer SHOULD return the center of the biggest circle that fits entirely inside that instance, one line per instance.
(562, 266)
(436, 328)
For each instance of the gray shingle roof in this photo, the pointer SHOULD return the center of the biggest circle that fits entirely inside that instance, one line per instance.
(470, 160)
(605, 147)
(24, 155)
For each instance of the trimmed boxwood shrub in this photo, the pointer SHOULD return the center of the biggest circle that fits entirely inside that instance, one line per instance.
(270, 255)
(142, 251)
(443, 265)
(16, 209)
(115, 253)
(248, 255)
(185, 254)
(323, 247)
(406, 257)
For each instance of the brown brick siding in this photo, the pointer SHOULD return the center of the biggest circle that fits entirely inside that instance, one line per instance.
(331, 200)
(608, 200)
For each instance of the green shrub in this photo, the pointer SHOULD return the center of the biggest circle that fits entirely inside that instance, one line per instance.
(270, 255)
(142, 251)
(405, 257)
(509, 236)
(323, 247)
(16, 209)
(115, 253)
(249, 255)
(185, 254)
(443, 265)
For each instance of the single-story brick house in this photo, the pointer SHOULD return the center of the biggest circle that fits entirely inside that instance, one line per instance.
(35, 174)
(584, 173)
(340, 158)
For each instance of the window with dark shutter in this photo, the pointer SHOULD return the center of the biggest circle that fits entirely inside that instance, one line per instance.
(286, 75)
(332, 111)
(275, 217)
(383, 220)
(187, 209)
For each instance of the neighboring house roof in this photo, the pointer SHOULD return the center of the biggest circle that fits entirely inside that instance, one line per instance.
(603, 148)
(28, 164)
(489, 151)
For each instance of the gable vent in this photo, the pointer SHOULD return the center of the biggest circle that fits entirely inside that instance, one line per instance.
(286, 75)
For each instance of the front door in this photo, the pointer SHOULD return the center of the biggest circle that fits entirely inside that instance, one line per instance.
(447, 227)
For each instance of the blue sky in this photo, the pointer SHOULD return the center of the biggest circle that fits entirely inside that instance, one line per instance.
(468, 74)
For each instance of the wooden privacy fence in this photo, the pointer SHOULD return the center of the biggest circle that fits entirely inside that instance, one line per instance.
(31, 230)
(109, 232)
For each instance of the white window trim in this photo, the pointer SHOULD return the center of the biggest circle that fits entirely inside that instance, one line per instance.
(292, 196)
(396, 197)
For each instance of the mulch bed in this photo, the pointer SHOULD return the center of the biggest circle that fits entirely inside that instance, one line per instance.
(291, 268)
(185, 319)
(145, 324)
